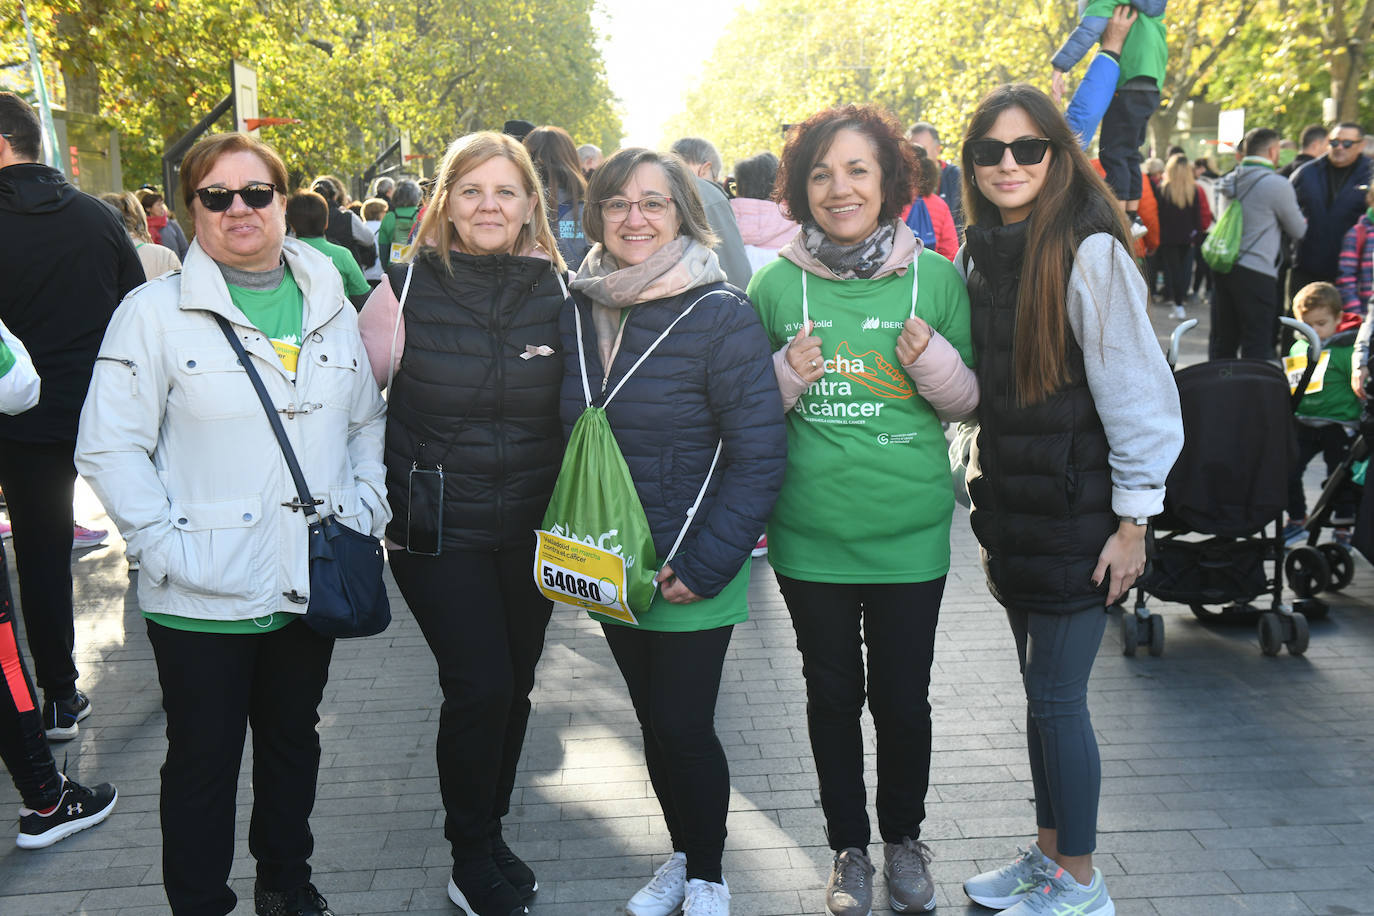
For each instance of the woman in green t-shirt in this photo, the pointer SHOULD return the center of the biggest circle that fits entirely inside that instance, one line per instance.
(872, 349)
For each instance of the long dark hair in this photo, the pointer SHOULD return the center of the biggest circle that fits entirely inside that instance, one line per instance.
(555, 159)
(1073, 204)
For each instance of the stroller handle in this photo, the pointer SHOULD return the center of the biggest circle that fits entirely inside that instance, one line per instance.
(1177, 336)
(1314, 343)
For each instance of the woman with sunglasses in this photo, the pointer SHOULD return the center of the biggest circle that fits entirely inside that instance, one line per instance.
(464, 333)
(872, 339)
(675, 404)
(175, 442)
(1079, 426)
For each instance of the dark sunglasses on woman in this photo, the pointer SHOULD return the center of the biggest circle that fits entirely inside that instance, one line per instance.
(1026, 151)
(256, 195)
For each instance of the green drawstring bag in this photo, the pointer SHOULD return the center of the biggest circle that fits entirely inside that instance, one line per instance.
(595, 550)
(1221, 249)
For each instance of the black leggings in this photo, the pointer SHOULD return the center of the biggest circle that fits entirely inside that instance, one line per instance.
(673, 679)
(484, 621)
(1178, 270)
(897, 622)
(23, 746)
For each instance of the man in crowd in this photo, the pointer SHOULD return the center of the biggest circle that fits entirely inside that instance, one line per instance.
(1246, 304)
(1314, 144)
(1331, 191)
(701, 157)
(590, 155)
(925, 135)
(67, 262)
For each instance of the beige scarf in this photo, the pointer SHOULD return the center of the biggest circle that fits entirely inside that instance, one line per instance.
(682, 264)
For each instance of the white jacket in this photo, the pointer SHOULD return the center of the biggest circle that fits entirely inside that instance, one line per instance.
(174, 440)
(19, 387)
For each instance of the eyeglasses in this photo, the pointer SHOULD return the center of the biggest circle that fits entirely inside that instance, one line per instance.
(617, 209)
(1346, 144)
(1026, 151)
(256, 195)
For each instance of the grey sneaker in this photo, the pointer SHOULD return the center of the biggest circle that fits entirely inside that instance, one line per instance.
(1006, 886)
(849, 892)
(1060, 895)
(906, 866)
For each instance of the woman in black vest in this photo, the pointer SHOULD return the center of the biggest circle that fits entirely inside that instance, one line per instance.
(467, 334)
(1079, 425)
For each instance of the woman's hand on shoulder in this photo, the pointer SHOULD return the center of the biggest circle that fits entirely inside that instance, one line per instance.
(1124, 557)
(804, 355)
(913, 340)
(672, 588)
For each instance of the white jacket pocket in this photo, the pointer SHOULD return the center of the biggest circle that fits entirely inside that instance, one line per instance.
(216, 550)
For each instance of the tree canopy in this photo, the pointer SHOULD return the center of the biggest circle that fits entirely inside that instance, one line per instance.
(356, 72)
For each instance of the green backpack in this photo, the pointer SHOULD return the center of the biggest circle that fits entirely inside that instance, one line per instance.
(1221, 249)
(595, 550)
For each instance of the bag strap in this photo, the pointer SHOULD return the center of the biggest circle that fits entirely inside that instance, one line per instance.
(696, 504)
(396, 328)
(304, 500)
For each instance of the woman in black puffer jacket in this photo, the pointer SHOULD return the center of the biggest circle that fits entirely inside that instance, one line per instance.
(466, 336)
(710, 380)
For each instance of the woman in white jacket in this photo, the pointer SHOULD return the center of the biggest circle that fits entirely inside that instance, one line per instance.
(176, 444)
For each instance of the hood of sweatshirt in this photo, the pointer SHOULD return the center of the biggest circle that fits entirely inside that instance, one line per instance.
(761, 223)
(31, 187)
(906, 248)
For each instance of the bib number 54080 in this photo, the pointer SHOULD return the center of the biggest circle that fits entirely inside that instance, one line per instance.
(571, 583)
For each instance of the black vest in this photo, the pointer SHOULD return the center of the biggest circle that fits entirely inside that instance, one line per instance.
(466, 398)
(339, 230)
(1039, 478)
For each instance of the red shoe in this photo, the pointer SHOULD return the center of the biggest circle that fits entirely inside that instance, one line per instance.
(83, 537)
(6, 530)
(761, 548)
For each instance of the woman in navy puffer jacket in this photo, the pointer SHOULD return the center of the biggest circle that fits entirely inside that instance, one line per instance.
(710, 380)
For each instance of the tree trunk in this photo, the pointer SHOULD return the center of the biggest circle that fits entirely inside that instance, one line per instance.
(81, 84)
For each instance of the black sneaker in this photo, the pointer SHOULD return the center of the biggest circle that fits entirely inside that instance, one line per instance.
(479, 889)
(520, 875)
(60, 716)
(303, 901)
(77, 808)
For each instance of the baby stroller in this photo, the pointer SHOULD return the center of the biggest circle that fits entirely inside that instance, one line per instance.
(1224, 501)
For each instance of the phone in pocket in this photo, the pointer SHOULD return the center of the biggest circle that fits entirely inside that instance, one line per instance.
(425, 518)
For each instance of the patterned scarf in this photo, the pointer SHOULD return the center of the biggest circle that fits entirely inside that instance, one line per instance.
(678, 266)
(849, 262)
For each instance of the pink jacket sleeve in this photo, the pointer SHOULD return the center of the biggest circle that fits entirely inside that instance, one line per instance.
(377, 322)
(790, 385)
(943, 380)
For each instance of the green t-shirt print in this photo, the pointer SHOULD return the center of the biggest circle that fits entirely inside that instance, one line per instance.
(867, 496)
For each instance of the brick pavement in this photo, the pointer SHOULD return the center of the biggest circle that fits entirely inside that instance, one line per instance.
(1233, 783)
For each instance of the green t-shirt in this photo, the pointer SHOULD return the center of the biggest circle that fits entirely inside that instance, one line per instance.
(1146, 49)
(278, 313)
(729, 607)
(867, 496)
(344, 262)
(1336, 400)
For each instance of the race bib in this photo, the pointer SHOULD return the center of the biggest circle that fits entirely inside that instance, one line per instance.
(1295, 366)
(582, 575)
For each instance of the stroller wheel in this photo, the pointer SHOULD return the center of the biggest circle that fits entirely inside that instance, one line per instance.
(1341, 564)
(1307, 570)
(1130, 634)
(1297, 643)
(1157, 635)
(1270, 633)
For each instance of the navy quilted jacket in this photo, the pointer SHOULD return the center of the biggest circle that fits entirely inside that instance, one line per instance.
(711, 379)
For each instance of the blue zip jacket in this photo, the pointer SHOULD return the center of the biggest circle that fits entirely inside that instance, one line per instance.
(1319, 252)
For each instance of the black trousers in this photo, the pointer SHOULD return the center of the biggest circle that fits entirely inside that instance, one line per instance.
(39, 482)
(1178, 270)
(1332, 442)
(213, 685)
(833, 623)
(1123, 131)
(484, 621)
(674, 680)
(23, 746)
(1245, 311)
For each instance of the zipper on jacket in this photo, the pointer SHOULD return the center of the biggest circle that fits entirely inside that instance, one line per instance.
(127, 364)
(499, 415)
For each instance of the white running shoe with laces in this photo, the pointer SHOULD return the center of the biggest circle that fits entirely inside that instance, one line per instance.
(1006, 886)
(706, 898)
(665, 892)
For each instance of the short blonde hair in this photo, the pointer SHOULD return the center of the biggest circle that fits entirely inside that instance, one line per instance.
(131, 212)
(374, 208)
(1315, 297)
(436, 231)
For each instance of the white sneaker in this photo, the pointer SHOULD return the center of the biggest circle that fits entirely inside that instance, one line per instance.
(1179, 314)
(665, 892)
(706, 898)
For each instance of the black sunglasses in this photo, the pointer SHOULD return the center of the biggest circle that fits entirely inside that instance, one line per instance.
(1346, 144)
(1026, 151)
(256, 195)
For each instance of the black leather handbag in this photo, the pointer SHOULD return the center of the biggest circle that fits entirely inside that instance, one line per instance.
(347, 597)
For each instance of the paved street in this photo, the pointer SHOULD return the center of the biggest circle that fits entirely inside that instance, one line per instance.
(1233, 783)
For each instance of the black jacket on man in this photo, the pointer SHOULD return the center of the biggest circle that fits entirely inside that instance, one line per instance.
(65, 262)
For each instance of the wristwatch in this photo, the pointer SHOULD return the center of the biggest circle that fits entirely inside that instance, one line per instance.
(1142, 521)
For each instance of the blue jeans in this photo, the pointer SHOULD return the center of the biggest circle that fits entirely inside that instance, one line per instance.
(1056, 652)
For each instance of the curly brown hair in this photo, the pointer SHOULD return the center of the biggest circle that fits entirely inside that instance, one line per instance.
(810, 140)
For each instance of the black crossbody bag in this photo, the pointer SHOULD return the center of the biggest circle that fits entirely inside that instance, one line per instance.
(347, 597)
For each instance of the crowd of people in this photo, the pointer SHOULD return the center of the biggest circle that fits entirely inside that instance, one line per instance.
(777, 350)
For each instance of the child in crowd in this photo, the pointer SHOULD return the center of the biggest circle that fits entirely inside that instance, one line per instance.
(1330, 411)
(1143, 59)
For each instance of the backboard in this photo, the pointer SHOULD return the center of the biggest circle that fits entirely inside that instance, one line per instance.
(244, 86)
